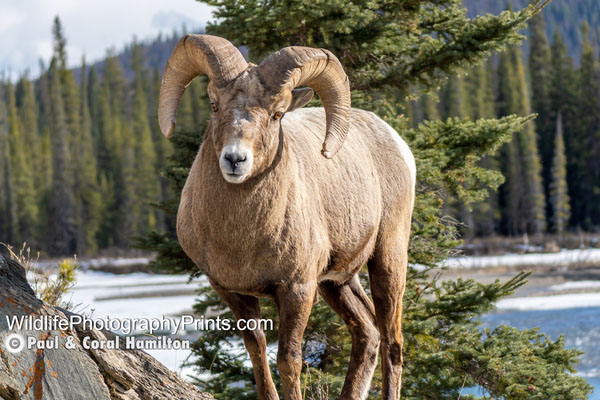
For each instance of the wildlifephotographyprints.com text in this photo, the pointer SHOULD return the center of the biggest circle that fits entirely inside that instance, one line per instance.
(161, 326)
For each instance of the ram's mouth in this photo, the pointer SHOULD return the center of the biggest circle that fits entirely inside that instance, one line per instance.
(233, 177)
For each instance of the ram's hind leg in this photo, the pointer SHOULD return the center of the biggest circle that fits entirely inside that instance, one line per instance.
(387, 276)
(356, 309)
(248, 308)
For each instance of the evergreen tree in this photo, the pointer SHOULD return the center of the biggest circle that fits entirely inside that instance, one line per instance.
(511, 192)
(116, 156)
(70, 91)
(386, 48)
(45, 173)
(60, 44)
(85, 199)
(162, 149)
(104, 140)
(586, 164)
(109, 168)
(454, 98)
(485, 216)
(61, 203)
(145, 183)
(534, 199)
(93, 93)
(22, 183)
(429, 105)
(540, 77)
(82, 166)
(37, 160)
(559, 196)
(28, 108)
(454, 103)
(425, 108)
(85, 190)
(524, 199)
(8, 212)
(563, 95)
(123, 154)
(479, 93)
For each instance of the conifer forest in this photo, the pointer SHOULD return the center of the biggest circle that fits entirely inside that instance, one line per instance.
(82, 156)
(499, 102)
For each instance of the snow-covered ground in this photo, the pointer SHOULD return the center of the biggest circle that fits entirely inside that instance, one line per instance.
(102, 261)
(576, 285)
(555, 302)
(562, 258)
(141, 295)
(135, 296)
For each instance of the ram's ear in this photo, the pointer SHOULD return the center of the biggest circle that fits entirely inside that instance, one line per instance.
(300, 98)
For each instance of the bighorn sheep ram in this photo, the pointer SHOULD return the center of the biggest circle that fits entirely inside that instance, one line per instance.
(263, 214)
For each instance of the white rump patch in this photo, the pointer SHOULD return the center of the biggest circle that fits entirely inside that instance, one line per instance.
(407, 155)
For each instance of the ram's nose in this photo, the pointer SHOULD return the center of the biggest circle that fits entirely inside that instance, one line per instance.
(235, 160)
(236, 163)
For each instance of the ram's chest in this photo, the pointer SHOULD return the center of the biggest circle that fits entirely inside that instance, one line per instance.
(253, 267)
(249, 247)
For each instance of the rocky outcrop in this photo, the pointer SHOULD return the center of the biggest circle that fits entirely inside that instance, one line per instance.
(61, 368)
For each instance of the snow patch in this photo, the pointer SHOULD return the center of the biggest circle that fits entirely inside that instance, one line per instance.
(557, 302)
(565, 257)
(577, 285)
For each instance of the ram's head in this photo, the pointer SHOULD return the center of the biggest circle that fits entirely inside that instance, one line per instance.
(248, 101)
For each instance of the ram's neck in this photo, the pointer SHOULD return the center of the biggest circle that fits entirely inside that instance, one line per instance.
(234, 210)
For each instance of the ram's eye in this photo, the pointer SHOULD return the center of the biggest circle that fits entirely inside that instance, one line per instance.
(214, 107)
(277, 115)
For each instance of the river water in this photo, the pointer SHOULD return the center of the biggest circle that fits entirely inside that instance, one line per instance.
(581, 327)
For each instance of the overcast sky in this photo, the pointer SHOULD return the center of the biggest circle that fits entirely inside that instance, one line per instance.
(91, 27)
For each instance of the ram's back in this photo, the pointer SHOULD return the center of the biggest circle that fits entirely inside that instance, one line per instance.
(373, 152)
(364, 186)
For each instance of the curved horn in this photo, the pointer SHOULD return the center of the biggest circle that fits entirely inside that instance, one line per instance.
(321, 70)
(192, 56)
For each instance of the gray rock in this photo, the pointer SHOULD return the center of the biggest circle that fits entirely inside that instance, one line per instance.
(69, 371)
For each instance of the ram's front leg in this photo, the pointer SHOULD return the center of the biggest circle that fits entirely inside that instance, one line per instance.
(294, 303)
(248, 308)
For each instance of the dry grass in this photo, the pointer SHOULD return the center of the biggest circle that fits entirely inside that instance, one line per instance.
(50, 285)
(315, 387)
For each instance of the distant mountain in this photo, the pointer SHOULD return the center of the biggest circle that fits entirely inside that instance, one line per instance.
(565, 15)
(156, 54)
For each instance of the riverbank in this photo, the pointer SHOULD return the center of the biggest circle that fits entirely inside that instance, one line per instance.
(561, 297)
